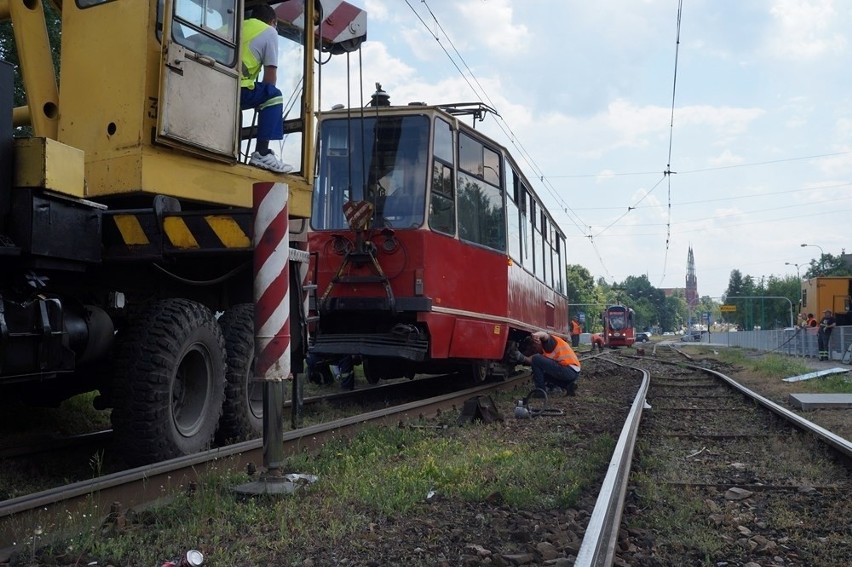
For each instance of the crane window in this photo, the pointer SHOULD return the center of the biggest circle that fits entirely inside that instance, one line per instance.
(207, 27)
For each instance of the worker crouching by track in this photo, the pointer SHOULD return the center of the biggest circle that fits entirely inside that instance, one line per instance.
(554, 363)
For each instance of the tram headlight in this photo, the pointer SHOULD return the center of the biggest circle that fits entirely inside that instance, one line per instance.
(390, 243)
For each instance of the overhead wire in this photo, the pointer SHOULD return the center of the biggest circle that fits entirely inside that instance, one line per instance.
(480, 91)
(501, 122)
(704, 169)
(504, 126)
(668, 171)
(728, 199)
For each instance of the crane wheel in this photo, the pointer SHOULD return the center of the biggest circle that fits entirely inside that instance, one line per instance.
(242, 415)
(169, 383)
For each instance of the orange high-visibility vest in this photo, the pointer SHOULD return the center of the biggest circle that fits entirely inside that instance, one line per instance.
(576, 329)
(563, 353)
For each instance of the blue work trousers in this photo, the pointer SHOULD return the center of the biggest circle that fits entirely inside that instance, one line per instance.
(547, 371)
(267, 99)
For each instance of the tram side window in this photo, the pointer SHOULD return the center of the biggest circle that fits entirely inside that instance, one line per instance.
(538, 262)
(480, 201)
(551, 253)
(514, 218)
(442, 204)
(530, 242)
(545, 250)
(560, 263)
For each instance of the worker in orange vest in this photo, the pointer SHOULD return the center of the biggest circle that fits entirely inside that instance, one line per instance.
(553, 361)
(576, 329)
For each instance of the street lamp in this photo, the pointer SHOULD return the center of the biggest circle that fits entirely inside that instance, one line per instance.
(798, 275)
(821, 254)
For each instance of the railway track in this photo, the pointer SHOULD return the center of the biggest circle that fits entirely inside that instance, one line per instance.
(106, 495)
(668, 459)
(40, 453)
(723, 476)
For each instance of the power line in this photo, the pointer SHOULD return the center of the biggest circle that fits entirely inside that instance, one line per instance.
(700, 170)
(669, 172)
(501, 122)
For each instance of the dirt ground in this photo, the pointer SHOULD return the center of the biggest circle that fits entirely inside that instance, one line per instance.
(838, 421)
(446, 532)
(449, 533)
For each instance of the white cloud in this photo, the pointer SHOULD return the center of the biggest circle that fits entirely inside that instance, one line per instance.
(585, 90)
(806, 29)
(492, 25)
(725, 158)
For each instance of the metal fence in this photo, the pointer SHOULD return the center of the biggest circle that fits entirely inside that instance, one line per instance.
(799, 341)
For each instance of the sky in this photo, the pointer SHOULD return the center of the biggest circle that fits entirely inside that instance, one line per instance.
(750, 113)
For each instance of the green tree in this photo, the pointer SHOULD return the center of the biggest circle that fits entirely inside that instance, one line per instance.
(675, 312)
(762, 303)
(583, 296)
(647, 301)
(828, 265)
(9, 49)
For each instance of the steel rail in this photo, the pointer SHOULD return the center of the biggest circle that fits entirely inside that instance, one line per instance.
(822, 434)
(88, 503)
(598, 545)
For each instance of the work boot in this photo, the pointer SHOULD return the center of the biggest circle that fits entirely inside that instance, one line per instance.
(347, 381)
(571, 390)
(270, 162)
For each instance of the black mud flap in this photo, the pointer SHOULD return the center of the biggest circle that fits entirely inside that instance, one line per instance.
(480, 408)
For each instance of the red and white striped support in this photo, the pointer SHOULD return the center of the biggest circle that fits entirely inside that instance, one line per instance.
(271, 282)
(342, 21)
(272, 316)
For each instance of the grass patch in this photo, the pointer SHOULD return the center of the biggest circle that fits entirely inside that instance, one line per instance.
(382, 473)
(779, 366)
(679, 518)
(833, 384)
(769, 365)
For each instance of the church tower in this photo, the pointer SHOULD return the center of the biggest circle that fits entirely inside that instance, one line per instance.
(691, 282)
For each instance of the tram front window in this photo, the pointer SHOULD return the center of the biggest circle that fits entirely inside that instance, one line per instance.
(616, 322)
(380, 160)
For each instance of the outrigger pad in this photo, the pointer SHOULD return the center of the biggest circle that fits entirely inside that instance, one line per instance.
(480, 408)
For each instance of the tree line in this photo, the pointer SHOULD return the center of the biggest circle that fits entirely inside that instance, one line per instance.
(760, 302)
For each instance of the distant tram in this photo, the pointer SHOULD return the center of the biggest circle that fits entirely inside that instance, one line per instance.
(618, 326)
(432, 251)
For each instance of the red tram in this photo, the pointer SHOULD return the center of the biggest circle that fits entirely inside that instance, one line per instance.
(618, 326)
(432, 252)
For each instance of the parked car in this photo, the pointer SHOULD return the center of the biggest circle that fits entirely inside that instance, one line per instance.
(692, 336)
(642, 337)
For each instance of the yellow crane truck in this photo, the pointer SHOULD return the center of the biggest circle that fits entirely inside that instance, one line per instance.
(126, 219)
(828, 292)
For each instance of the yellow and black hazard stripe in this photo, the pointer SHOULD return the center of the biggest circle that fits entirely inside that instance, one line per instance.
(142, 234)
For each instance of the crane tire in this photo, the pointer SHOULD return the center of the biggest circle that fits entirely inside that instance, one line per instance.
(242, 415)
(169, 381)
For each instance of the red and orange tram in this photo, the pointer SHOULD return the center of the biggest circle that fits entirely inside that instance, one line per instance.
(618, 326)
(433, 252)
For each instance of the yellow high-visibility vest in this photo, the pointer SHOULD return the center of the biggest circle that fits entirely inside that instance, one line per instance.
(251, 66)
